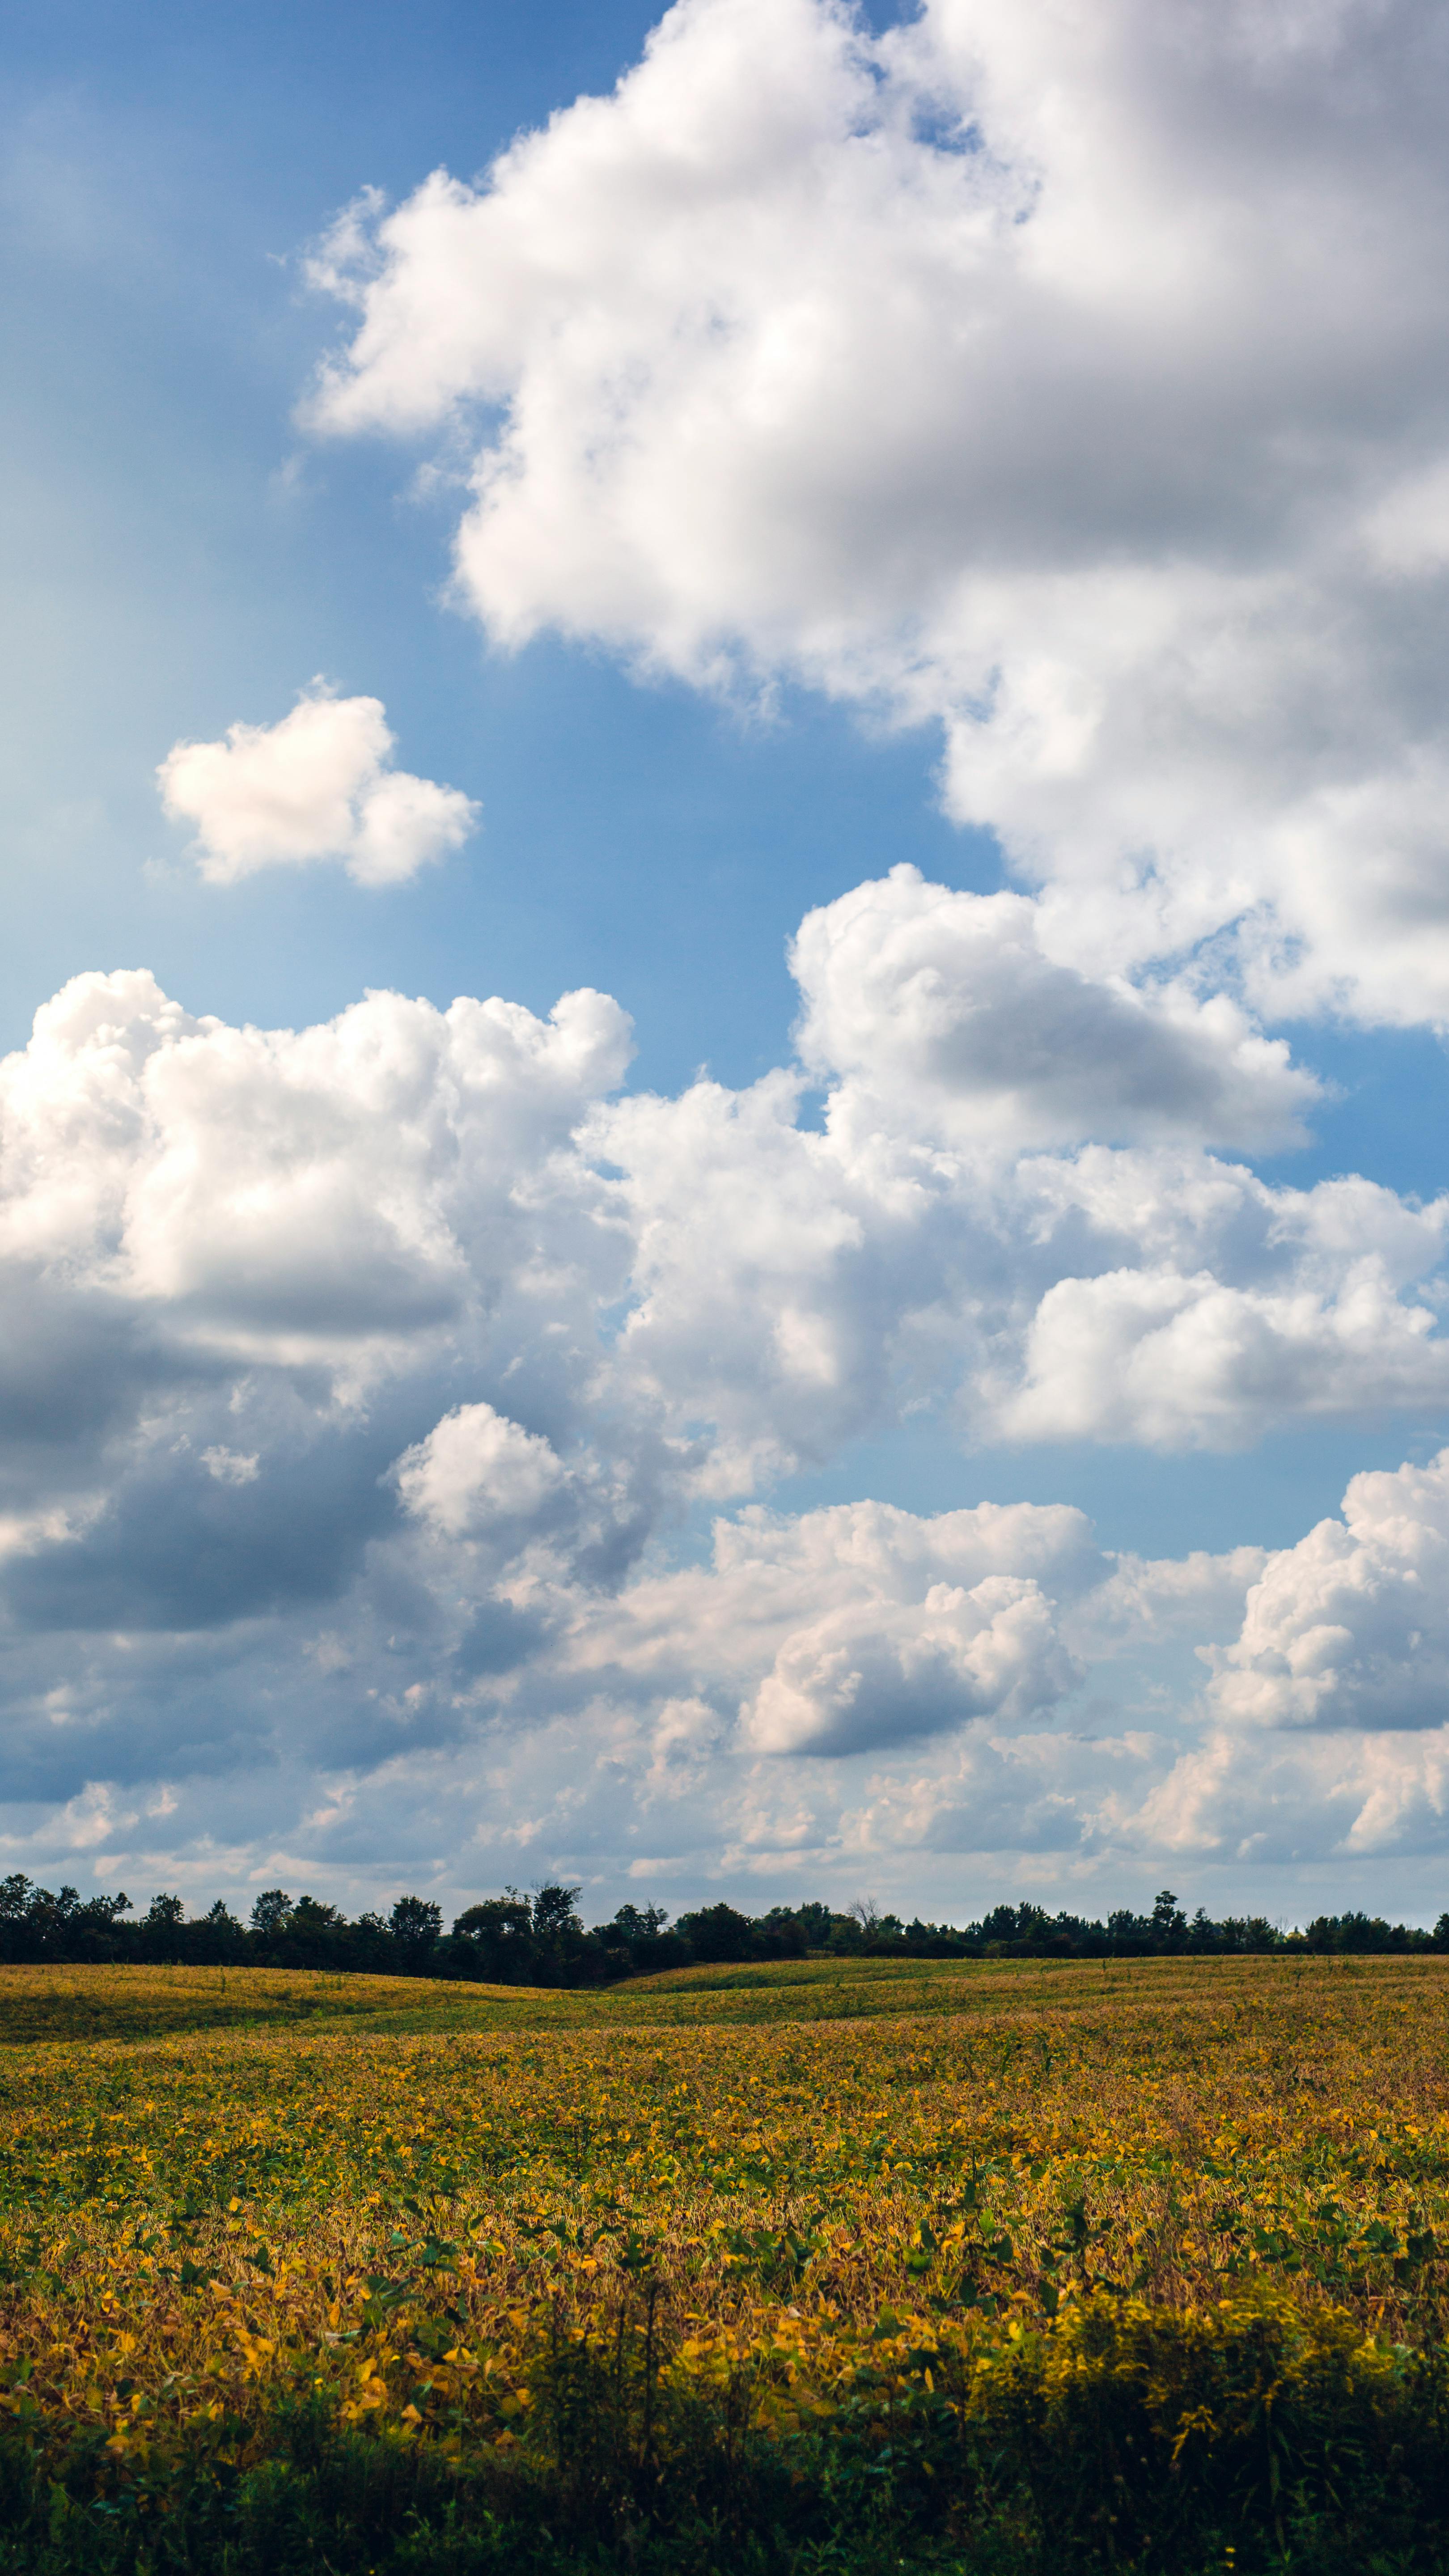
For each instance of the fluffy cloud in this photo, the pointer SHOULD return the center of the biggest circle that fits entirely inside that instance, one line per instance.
(1350, 1628)
(683, 1296)
(291, 1195)
(857, 1627)
(1075, 381)
(360, 1383)
(1338, 1799)
(860, 1678)
(1176, 1360)
(939, 1013)
(317, 785)
(476, 1469)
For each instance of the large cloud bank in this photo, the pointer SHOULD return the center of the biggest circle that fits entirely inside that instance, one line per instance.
(1074, 379)
(365, 1383)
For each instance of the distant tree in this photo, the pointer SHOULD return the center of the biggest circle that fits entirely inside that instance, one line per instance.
(36, 1924)
(161, 1927)
(717, 1932)
(639, 1924)
(218, 1936)
(555, 1909)
(309, 1914)
(310, 1934)
(637, 1943)
(270, 1911)
(415, 1925)
(780, 1935)
(1169, 1923)
(499, 1938)
(560, 1943)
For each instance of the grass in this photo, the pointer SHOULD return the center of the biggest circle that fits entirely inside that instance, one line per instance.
(110, 2004)
(819, 2265)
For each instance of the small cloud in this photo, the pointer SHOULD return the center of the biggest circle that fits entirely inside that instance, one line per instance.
(317, 785)
(231, 1466)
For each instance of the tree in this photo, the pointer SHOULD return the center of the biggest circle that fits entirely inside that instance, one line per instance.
(415, 1924)
(271, 1911)
(161, 1927)
(220, 1935)
(499, 1933)
(717, 1932)
(309, 1914)
(560, 1943)
(555, 1912)
(636, 1925)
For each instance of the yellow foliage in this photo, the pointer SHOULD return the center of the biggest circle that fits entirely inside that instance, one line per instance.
(813, 2212)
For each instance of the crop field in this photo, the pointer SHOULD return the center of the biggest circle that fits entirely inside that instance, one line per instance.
(827, 2265)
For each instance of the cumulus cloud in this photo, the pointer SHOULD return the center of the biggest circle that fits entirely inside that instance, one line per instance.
(1179, 1361)
(940, 1013)
(1350, 1628)
(1072, 380)
(316, 785)
(680, 1296)
(1342, 1797)
(855, 1627)
(860, 1678)
(476, 1469)
(361, 1380)
(300, 1194)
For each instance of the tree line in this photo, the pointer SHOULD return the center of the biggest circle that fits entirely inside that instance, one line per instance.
(540, 1938)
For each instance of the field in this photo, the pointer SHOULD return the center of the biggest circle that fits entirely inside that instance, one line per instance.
(831, 2265)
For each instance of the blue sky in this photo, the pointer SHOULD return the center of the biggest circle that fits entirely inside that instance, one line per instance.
(864, 505)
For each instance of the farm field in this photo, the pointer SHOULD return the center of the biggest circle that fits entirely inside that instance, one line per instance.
(826, 2265)
(109, 2004)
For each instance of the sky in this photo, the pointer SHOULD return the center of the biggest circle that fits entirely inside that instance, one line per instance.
(723, 1145)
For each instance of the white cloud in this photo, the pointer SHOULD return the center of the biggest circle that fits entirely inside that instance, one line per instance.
(280, 1194)
(1339, 1798)
(475, 1470)
(703, 1290)
(855, 1627)
(865, 1677)
(939, 1013)
(1350, 1628)
(317, 785)
(1073, 380)
(1176, 1361)
(231, 1466)
(358, 1381)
